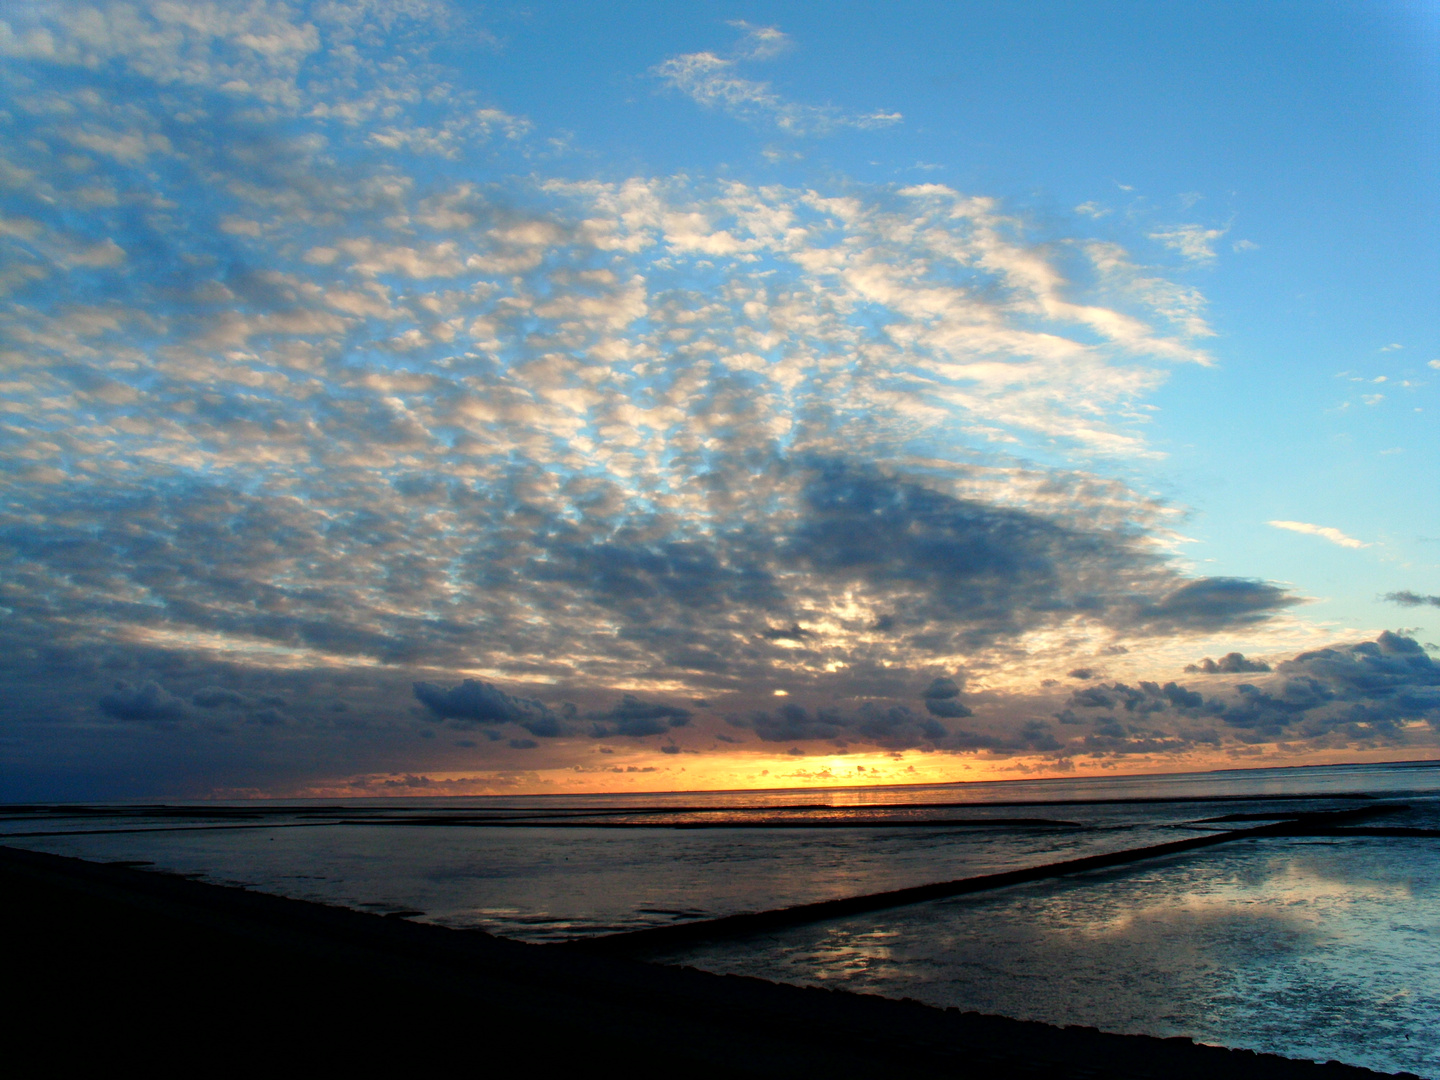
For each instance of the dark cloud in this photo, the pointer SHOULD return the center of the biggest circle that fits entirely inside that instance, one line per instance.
(942, 698)
(951, 710)
(941, 689)
(896, 727)
(637, 719)
(1032, 736)
(148, 702)
(1378, 683)
(972, 570)
(627, 572)
(1208, 604)
(1082, 673)
(215, 697)
(474, 702)
(1365, 691)
(792, 723)
(1230, 664)
(793, 633)
(1406, 598)
(1147, 697)
(890, 727)
(220, 697)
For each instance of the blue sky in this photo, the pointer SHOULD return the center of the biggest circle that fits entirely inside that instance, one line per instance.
(431, 398)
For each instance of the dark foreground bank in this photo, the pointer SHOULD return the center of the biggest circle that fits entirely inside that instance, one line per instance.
(107, 965)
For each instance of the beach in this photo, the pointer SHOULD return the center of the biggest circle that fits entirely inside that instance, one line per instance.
(120, 965)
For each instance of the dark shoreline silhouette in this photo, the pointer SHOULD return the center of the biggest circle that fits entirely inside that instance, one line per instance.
(109, 964)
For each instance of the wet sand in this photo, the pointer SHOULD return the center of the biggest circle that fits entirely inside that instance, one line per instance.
(112, 964)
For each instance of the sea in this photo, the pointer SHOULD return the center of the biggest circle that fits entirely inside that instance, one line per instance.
(1324, 946)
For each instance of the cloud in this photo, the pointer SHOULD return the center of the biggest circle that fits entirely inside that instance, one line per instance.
(791, 723)
(1406, 598)
(1368, 693)
(1365, 690)
(896, 727)
(760, 42)
(473, 702)
(1147, 698)
(1182, 306)
(149, 702)
(1215, 603)
(216, 697)
(1335, 536)
(792, 633)
(1194, 242)
(1229, 664)
(633, 718)
(712, 81)
(942, 698)
(890, 727)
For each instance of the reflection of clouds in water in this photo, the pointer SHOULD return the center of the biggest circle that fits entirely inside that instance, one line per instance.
(1311, 950)
(1295, 891)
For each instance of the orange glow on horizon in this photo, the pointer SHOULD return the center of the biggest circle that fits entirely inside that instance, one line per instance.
(650, 773)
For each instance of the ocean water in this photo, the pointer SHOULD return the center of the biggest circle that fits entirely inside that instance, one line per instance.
(1313, 947)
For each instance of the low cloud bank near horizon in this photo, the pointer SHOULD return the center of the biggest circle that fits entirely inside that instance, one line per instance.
(196, 727)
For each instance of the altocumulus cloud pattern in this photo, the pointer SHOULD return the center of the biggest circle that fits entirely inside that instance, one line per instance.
(337, 418)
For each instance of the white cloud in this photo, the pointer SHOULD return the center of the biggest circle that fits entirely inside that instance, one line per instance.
(1182, 305)
(760, 42)
(1092, 210)
(1194, 242)
(1335, 536)
(712, 81)
(105, 253)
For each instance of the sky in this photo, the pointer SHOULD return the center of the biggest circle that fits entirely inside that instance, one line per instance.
(412, 398)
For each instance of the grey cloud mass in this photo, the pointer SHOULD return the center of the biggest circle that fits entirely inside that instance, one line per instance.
(637, 719)
(942, 698)
(1229, 664)
(149, 702)
(1368, 692)
(474, 702)
(1406, 598)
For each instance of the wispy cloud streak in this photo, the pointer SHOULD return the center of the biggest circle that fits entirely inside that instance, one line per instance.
(1335, 536)
(714, 81)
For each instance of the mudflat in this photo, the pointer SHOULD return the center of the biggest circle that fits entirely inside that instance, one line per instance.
(108, 965)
